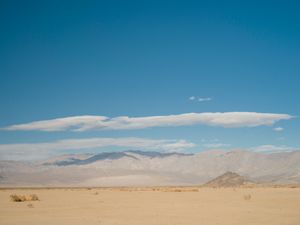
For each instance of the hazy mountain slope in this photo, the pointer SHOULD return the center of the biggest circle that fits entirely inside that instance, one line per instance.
(152, 168)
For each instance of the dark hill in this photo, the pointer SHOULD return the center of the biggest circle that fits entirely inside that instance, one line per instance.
(228, 179)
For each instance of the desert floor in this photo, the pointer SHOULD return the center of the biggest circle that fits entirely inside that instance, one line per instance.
(165, 206)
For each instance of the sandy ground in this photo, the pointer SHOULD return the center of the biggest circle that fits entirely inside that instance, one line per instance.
(153, 207)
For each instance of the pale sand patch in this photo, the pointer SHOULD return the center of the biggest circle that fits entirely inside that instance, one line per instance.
(153, 206)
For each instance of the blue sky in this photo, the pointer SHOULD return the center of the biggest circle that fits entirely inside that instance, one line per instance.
(147, 58)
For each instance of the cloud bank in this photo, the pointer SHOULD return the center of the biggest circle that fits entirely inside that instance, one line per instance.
(87, 122)
(272, 148)
(42, 150)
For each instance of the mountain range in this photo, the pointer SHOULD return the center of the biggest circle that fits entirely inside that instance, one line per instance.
(141, 168)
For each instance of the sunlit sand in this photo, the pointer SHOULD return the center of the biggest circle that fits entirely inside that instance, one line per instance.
(157, 206)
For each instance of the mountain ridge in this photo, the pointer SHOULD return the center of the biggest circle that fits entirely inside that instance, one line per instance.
(152, 168)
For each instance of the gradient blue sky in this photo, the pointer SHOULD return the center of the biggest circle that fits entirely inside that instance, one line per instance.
(146, 58)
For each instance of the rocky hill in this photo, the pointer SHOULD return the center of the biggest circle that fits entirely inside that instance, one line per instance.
(228, 179)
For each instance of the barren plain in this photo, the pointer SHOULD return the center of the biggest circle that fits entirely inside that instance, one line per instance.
(153, 206)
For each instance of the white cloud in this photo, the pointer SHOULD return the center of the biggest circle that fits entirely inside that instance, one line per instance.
(278, 129)
(199, 99)
(216, 145)
(204, 99)
(83, 123)
(44, 149)
(60, 124)
(272, 148)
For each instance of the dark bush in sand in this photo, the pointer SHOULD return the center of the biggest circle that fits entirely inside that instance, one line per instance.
(23, 198)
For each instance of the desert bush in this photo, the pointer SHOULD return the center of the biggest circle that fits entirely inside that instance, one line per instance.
(193, 190)
(32, 197)
(176, 190)
(30, 205)
(18, 198)
(23, 198)
(247, 197)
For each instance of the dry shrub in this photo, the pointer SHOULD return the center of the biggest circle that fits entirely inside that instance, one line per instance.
(18, 198)
(23, 198)
(247, 197)
(193, 190)
(33, 197)
(30, 205)
(180, 190)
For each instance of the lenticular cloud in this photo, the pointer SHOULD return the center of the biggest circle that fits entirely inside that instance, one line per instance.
(87, 122)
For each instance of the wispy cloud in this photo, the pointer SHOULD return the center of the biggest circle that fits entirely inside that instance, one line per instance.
(272, 148)
(216, 145)
(204, 99)
(278, 129)
(44, 149)
(60, 124)
(200, 99)
(83, 123)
